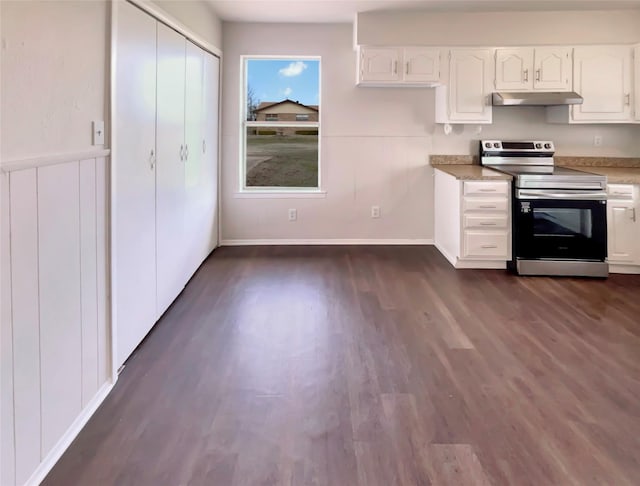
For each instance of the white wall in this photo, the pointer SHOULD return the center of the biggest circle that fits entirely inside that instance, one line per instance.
(498, 28)
(53, 74)
(373, 146)
(375, 143)
(196, 15)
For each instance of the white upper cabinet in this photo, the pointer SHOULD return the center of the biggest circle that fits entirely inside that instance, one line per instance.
(380, 64)
(602, 75)
(398, 66)
(421, 65)
(465, 99)
(552, 68)
(514, 69)
(528, 68)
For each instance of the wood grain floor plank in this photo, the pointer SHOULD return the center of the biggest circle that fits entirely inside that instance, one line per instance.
(373, 366)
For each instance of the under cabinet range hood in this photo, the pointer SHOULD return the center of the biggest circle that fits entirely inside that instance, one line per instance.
(537, 98)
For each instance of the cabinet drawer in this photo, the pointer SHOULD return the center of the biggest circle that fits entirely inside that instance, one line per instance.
(485, 221)
(485, 244)
(620, 191)
(485, 188)
(480, 204)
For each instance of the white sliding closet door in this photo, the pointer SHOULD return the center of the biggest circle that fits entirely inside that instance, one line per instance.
(172, 256)
(209, 187)
(134, 238)
(194, 129)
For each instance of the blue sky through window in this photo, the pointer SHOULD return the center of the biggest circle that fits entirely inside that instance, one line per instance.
(276, 80)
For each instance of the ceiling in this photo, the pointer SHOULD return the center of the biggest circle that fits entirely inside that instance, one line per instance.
(345, 10)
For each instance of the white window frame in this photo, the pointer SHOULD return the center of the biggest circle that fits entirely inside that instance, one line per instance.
(275, 191)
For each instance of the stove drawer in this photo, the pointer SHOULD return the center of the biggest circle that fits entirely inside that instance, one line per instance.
(486, 244)
(486, 188)
(487, 205)
(482, 221)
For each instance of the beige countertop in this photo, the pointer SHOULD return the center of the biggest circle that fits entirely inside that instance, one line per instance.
(615, 175)
(473, 173)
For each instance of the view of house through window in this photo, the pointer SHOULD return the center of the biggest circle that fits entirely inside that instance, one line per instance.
(282, 121)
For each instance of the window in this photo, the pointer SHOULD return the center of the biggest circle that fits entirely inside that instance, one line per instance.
(281, 123)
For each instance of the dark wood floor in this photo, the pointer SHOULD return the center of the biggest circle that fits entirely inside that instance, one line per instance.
(374, 366)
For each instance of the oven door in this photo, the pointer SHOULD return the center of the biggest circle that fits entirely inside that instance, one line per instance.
(560, 225)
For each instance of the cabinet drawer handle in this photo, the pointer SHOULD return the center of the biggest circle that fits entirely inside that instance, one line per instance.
(633, 214)
(627, 99)
(537, 75)
(487, 224)
(487, 207)
(152, 159)
(487, 190)
(489, 246)
(395, 67)
(181, 152)
(407, 68)
(526, 75)
(204, 146)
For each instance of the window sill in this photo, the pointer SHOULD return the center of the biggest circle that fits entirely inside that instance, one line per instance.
(312, 194)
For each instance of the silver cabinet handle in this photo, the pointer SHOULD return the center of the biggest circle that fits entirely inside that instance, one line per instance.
(487, 190)
(487, 224)
(152, 159)
(487, 207)
(407, 68)
(633, 214)
(186, 153)
(537, 75)
(627, 99)
(204, 145)
(489, 246)
(526, 75)
(395, 67)
(181, 152)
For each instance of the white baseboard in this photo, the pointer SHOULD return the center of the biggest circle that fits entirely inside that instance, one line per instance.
(72, 432)
(329, 241)
(450, 258)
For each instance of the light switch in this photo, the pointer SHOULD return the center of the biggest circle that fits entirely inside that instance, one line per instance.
(98, 133)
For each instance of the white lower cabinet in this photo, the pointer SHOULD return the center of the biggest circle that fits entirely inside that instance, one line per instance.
(623, 228)
(472, 221)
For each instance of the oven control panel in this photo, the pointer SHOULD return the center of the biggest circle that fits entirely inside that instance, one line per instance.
(498, 146)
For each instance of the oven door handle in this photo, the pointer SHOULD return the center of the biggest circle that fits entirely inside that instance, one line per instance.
(562, 195)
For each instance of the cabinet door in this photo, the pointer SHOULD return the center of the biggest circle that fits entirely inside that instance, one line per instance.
(552, 68)
(636, 77)
(470, 79)
(134, 197)
(170, 176)
(421, 65)
(513, 69)
(380, 64)
(602, 75)
(622, 228)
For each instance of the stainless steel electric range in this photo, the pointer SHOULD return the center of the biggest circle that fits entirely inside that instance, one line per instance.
(559, 215)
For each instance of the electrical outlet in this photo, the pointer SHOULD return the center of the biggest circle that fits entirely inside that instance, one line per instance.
(597, 141)
(375, 211)
(293, 214)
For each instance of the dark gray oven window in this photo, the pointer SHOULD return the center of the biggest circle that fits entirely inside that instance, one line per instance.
(562, 222)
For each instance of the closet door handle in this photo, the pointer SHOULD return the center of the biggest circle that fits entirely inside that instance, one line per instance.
(152, 159)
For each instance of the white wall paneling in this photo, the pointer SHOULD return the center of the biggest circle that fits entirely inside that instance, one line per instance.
(25, 321)
(54, 243)
(7, 424)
